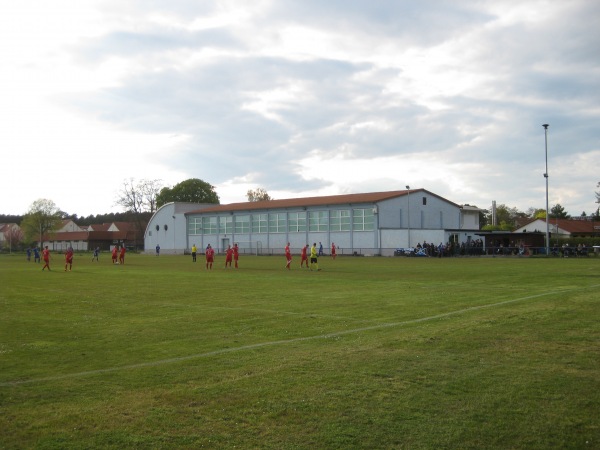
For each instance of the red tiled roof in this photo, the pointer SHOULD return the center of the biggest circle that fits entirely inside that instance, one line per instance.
(371, 197)
(571, 226)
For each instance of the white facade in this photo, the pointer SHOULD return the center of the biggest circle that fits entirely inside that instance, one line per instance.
(168, 227)
(392, 220)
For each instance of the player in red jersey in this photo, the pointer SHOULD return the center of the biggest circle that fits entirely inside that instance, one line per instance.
(333, 251)
(114, 254)
(236, 255)
(304, 256)
(210, 257)
(69, 259)
(288, 256)
(228, 256)
(46, 257)
(122, 255)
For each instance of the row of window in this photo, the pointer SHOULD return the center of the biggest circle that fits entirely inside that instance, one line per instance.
(293, 222)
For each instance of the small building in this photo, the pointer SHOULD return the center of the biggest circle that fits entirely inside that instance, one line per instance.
(563, 228)
(375, 223)
(88, 237)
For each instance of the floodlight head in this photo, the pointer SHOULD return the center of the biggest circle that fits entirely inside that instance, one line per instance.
(407, 186)
(545, 126)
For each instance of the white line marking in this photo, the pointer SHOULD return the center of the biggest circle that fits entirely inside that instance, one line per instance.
(274, 343)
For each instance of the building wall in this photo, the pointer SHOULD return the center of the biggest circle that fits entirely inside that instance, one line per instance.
(430, 219)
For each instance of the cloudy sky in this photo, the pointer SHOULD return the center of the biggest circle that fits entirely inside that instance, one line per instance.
(300, 97)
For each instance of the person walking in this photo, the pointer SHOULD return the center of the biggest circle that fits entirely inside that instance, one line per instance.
(69, 259)
(46, 258)
(304, 256)
(288, 256)
(115, 251)
(333, 254)
(122, 255)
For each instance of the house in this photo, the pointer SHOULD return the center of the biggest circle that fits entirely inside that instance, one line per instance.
(88, 237)
(563, 227)
(373, 223)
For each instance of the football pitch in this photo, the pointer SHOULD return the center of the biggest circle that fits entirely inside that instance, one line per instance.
(369, 352)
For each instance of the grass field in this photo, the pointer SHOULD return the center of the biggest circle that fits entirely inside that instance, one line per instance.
(410, 353)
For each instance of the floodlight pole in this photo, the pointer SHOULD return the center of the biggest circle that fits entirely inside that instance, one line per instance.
(546, 177)
(408, 213)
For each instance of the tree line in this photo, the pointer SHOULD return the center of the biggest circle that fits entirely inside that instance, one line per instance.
(140, 199)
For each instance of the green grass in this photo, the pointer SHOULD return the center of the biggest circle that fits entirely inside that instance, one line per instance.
(410, 353)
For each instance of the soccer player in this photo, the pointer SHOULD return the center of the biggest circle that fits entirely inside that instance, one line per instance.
(228, 256)
(114, 254)
(36, 254)
(69, 259)
(194, 250)
(236, 255)
(333, 251)
(46, 257)
(313, 257)
(28, 253)
(157, 249)
(96, 254)
(288, 256)
(210, 257)
(304, 256)
(122, 255)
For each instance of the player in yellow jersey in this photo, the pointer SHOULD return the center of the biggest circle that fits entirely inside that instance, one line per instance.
(313, 257)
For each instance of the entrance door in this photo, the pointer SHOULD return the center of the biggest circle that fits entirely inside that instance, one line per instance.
(225, 243)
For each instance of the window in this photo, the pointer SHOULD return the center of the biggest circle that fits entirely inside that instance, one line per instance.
(424, 200)
(318, 221)
(195, 225)
(260, 223)
(340, 220)
(297, 222)
(209, 225)
(225, 224)
(277, 223)
(242, 224)
(363, 219)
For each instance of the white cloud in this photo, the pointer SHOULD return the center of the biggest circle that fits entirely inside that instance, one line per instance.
(300, 98)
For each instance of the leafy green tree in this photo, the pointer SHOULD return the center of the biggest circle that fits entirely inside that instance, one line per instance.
(506, 217)
(193, 190)
(558, 212)
(43, 217)
(258, 195)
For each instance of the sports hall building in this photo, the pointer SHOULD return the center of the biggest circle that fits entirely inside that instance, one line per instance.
(375, 223)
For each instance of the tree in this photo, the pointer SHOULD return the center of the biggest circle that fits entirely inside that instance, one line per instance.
(539, 213)
(598, 193)
(139, 197)
(258, 195)
(43, 217)
(505, 216)
(193, 190)
(13, 237)
(558, 212)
